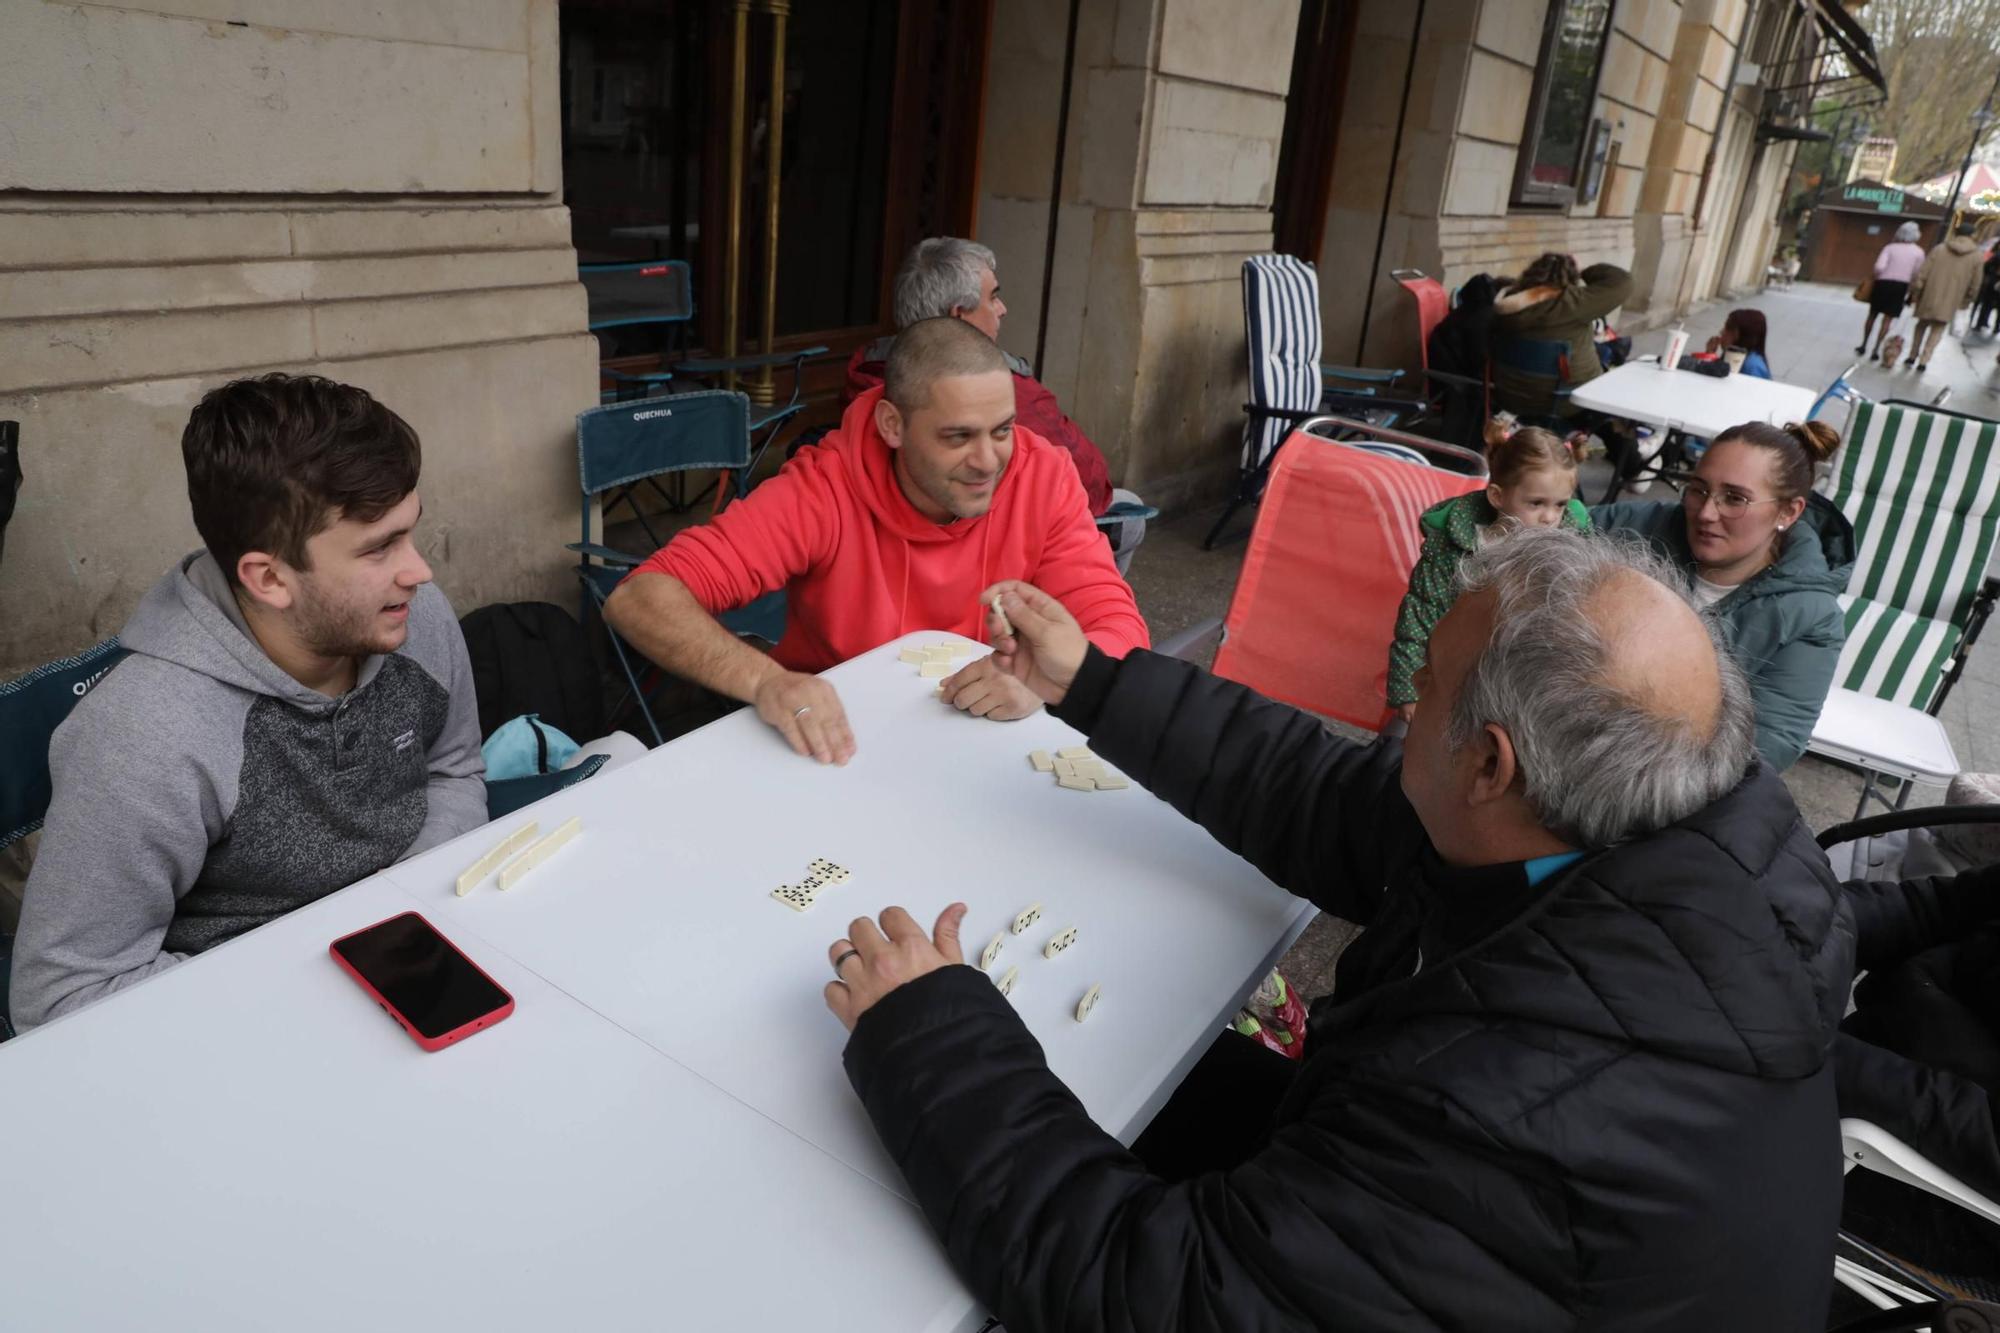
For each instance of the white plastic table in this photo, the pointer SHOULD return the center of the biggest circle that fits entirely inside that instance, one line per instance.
(661, 1135)
(1684, 401)
(659, 915)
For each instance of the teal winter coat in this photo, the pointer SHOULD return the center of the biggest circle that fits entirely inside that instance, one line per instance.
(1784, 625)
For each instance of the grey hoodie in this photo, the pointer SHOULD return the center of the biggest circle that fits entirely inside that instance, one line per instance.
(199, 790)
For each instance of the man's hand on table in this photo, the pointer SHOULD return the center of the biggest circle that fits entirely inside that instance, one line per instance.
(806, 711)
(985, 689)
(871, 962)
(1039, 643)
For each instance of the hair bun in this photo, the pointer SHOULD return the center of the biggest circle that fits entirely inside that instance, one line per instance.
(1819, 439)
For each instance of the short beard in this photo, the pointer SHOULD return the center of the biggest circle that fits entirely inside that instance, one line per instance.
(330, 630)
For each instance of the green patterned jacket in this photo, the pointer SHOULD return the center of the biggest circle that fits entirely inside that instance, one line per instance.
(1451, 532)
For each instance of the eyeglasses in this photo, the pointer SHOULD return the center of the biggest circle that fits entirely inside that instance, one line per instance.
(1695, 496)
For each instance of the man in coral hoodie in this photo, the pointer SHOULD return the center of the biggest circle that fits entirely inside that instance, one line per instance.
(927, 494)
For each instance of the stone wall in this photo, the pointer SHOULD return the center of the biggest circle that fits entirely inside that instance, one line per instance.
(362, 191)
(1177, 111)
(1672, 244)
(1438, 197)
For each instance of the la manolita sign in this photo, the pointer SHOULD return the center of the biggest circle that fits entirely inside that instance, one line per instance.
(1886, 198)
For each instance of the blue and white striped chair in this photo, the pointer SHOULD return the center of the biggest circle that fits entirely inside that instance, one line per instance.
(1922, 488)
(1288, 383)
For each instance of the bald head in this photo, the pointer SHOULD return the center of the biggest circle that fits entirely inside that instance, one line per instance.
(934, 349)
(1622, 708)
(1658, 652)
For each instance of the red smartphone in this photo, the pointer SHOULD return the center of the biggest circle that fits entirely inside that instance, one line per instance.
(434, 992)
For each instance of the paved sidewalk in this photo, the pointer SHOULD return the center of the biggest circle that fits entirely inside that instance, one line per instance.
(1813, 331)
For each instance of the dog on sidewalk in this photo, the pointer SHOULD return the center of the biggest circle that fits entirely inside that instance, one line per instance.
(1891, 348)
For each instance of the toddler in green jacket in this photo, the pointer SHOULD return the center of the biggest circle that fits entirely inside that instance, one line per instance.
(1531, 483)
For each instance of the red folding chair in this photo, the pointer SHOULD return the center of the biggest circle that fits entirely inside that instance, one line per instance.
(1329, 561)
(1433, 304)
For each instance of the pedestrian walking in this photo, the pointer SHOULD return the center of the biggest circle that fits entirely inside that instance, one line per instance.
(1889, 287)
(1945, 285)
(1989, 292)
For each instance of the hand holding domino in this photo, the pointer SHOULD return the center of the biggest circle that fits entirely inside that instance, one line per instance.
(1035, 638)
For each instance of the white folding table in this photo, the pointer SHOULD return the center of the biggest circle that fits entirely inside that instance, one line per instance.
(1696, 404)
(661, 1135)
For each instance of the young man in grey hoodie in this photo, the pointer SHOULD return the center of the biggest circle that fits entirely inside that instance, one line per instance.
(296, 713)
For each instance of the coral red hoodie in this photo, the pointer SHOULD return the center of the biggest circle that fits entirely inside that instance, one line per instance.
(863, 566)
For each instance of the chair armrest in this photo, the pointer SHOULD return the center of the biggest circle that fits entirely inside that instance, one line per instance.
(1360, 373)
(720, 365)
(1180, 644)
(1454, 379)
(777, 416)
(627, 377)
(1124, 509)
(606, 554)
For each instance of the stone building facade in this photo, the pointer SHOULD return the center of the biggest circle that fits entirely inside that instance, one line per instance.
(195, 190)
(192, 190)
(1177, 110)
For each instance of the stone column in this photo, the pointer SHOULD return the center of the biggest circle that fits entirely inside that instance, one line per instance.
(1177, 109)
(1665, 263)
(368, 192)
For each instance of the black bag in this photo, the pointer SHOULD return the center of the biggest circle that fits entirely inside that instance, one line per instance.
(530, 657)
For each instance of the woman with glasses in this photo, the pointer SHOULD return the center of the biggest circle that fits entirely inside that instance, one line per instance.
(1767, 558)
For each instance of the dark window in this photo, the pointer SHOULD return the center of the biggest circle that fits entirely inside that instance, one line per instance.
(1550, 163)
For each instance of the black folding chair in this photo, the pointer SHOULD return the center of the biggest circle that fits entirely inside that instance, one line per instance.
(623, 446)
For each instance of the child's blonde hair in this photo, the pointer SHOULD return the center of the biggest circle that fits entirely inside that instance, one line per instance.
(1527, 449)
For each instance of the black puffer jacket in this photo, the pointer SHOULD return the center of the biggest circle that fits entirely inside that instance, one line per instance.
(1920, 1055)
(1606, 1102)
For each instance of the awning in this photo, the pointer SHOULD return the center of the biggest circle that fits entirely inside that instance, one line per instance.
(1852, 39)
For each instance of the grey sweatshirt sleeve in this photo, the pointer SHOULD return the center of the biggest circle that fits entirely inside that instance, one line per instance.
(140, 793)
(457, 787)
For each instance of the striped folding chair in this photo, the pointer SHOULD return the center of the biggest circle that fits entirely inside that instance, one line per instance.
(1288, 383)
(1922, 489)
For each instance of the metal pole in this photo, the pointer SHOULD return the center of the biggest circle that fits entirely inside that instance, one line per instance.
(763, 391)
(733, 234)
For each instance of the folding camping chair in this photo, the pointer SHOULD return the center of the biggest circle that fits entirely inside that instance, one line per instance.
(1338, 512)
(31, 708)
(1288, 383)
(1840, 391)
(619, 446)
(661, 292)
(1455, 407)
(1919, 485)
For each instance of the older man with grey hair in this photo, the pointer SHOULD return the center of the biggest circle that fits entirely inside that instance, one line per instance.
(1575, 1071)
(946, 277)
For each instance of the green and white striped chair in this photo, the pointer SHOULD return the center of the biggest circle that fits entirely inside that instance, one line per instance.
(1922, 488)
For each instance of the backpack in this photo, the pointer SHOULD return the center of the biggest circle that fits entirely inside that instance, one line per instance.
(531, 657)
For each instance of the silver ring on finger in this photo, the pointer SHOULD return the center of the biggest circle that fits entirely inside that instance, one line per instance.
(798, 713)
(840, 961)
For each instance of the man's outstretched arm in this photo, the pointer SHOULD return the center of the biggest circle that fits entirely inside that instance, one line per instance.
(657, 614)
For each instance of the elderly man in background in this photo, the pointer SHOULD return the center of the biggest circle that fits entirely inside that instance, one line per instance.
(1944, 285)
(945, 277)
(1575, 1072)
